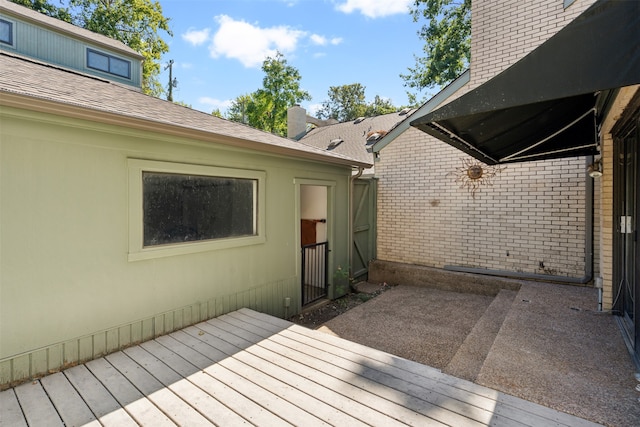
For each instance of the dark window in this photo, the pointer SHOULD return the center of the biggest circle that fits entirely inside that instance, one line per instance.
(181, 208)
(6, 32)
(108, 64)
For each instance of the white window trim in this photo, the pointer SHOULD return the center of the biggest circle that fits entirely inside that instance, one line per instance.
(137, 250)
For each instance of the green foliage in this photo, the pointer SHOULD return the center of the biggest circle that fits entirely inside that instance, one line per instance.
(379, 106)
(347, 102)
(447, 36)
(266, 108)
(46, 8)
(237, 112)
(136, 23)
(184, 104)
(217, 113)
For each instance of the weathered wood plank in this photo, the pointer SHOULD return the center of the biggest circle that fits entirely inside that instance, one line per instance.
(106, 409)
(234, 400)
(10, 411)
(37, 408)
(174, 407)
(196, 397)
(269, 380)
(509, 407)
(264, 397)
(443, 408)
(321, 392)
(68, 403)
(361, 391)
(142, 410)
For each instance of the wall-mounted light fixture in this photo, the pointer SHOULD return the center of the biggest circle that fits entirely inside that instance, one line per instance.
(595, 169)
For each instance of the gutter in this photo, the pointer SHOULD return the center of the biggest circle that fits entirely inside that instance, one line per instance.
(588, 267)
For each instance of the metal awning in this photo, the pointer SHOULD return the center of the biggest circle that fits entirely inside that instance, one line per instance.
(548, 104)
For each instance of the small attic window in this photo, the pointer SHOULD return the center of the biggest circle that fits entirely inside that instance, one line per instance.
(334, 143)
(108, 63)
(404, 111)
(6, 32)
(358, 120)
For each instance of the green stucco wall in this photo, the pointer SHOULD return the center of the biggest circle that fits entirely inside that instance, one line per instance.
(68, 291)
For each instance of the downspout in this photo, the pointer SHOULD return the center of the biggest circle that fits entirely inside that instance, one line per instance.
(350, 232)
(588, 267)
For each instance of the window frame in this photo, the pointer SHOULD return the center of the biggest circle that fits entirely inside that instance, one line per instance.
(12, 33)
(137, 250)
(109, 57)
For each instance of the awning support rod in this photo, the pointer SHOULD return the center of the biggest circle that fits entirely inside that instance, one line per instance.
(564, 150)
(556, 133)
(457, 138)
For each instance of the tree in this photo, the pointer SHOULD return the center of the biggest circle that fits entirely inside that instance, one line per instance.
(266, 108)
(447, 36)
(347, 102)
(380, 106)
(46, 8)
(237, 112)
(136, 23)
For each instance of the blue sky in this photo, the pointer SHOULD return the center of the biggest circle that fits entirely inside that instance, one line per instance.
(218, 46)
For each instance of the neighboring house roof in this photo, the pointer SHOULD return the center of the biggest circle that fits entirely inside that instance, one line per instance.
(355, 138)
(437, 100)
(32, 85)
(59, 26)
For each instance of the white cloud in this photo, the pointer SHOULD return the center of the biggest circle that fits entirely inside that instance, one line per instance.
(323, 41)
(312, 109)
(196, 37)
(214, 103)
(249, 43)
(375, 8)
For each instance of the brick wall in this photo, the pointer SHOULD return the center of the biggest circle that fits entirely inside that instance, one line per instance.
(532, 219)
(504, 31)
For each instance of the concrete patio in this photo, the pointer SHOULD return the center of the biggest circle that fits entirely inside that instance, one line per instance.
(545, 343)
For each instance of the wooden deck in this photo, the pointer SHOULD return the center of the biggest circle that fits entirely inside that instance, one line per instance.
(247, 368)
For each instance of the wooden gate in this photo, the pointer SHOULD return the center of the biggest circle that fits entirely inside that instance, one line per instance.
(314, 272)
(364, 226)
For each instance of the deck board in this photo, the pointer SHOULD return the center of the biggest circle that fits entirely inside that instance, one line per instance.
(67, 401)
(247, 368)
(106, 409)
(10, 410)
(37, 407)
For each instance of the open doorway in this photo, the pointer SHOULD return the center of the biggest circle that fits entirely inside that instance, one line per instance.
(314, 243)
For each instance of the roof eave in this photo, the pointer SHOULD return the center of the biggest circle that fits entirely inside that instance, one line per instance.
(19, 101)
(428, 106)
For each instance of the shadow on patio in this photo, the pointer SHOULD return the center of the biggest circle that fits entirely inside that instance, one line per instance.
(545, 343)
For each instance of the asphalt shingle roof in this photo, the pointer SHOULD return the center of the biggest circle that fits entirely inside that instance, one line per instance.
(354, 135)
(29, 78)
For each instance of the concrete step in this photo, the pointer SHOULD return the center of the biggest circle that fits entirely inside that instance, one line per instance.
(470, 357)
